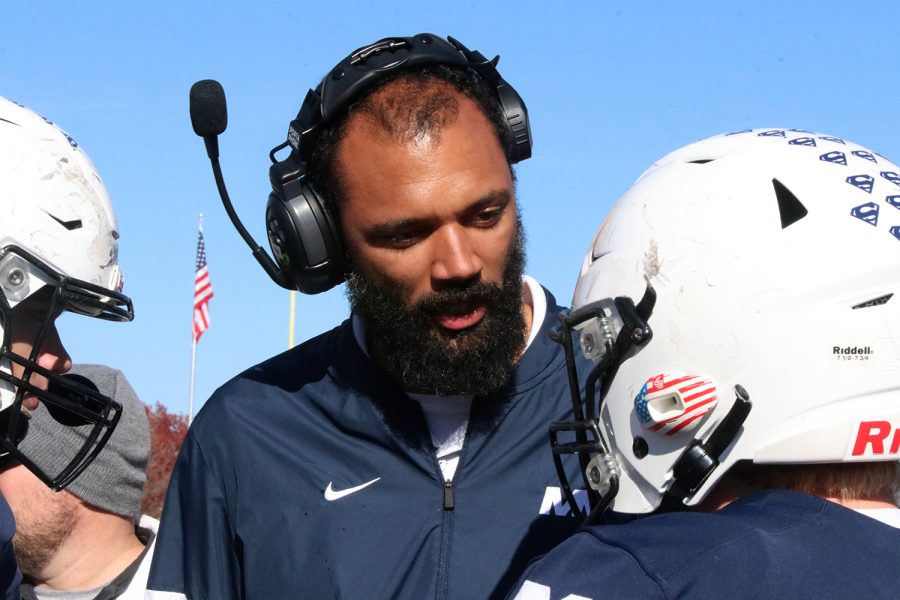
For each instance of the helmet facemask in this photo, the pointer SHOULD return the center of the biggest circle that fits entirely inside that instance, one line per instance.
(71, 403)
(607, 332)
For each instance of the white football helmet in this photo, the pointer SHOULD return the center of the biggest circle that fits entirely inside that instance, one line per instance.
(58, 233)
(773, 256)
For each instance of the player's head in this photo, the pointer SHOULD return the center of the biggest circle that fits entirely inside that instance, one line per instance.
(58, 252)
(417, 170)
(773, 257)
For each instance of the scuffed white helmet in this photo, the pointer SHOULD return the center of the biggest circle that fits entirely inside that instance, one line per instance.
(57, 231)
(774, 255)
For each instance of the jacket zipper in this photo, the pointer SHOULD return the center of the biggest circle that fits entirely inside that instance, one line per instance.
(448, 495)
(443, 566)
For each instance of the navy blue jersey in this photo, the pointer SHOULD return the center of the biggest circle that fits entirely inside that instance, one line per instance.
(10, 578)
(772, 544)
(312, 475)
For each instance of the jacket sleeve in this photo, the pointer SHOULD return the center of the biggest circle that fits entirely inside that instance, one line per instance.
(196, 553)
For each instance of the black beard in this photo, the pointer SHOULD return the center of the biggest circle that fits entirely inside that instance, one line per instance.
(427, 360)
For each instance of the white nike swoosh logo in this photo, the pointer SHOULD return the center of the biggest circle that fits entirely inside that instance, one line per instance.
(332, 494)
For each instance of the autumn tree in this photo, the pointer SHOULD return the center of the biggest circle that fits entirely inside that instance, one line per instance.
(167, 432)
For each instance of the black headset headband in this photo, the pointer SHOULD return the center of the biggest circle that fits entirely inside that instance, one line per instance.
(368, 65)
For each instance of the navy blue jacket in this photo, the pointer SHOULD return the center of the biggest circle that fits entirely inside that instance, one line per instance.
(246, 514)
(768, 545)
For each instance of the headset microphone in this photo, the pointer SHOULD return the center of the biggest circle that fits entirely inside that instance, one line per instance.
(209, 115)
(209, 118)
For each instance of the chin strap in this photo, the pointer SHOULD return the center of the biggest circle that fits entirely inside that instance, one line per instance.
(700, 459)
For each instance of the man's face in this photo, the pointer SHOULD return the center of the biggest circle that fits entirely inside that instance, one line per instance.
(44, 519)
(434, 237)
(27, 320)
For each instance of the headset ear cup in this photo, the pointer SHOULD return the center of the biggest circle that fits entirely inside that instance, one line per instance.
(517, 118)
(303, 238)
(329, 229)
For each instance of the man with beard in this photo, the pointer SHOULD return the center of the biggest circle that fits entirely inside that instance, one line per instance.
(399, 455)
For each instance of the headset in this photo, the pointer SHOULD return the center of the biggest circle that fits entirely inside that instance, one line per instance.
(303, 233)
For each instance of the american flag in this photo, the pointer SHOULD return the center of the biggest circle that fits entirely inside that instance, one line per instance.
(673, 402)
(202, 290)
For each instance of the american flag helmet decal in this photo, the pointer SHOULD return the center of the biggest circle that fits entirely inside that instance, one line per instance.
(671, 403)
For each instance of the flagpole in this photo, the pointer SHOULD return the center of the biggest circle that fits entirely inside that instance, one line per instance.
(193, 370)
(194, 337)
(291, 321)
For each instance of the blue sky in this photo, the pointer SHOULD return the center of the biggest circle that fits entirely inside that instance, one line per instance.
(610, 86)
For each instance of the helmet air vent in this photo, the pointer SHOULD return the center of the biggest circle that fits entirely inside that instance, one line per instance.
(700, 161)
(789, 207)
(874, 301)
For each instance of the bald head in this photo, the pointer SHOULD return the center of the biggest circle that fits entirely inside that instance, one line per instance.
(410, 110)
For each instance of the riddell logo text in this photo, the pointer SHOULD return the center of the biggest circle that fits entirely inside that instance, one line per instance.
(872, 438)
(852, 350)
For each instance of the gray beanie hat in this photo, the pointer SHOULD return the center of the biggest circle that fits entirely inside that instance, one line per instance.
(115, 480)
